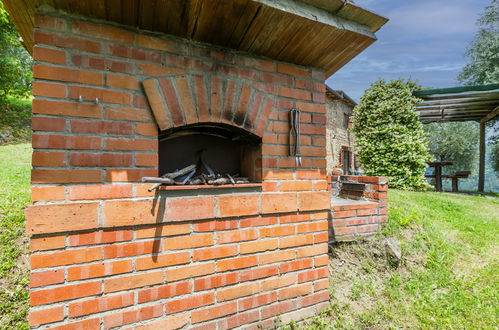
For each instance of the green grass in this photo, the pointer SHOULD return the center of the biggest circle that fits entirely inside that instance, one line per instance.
(15, 163)
(447, 278)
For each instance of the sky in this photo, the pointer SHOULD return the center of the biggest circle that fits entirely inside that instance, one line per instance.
(424, 40)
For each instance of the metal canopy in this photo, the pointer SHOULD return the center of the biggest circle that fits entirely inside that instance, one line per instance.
(458, 103)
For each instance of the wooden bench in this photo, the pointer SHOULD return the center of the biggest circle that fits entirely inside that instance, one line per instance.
(458, 175)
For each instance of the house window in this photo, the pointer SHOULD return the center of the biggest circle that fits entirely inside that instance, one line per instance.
(346, 120)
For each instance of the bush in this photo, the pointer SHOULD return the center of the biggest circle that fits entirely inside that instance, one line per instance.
(15, 120)
(390, 138)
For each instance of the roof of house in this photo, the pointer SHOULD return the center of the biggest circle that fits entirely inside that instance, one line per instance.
(320, 33)
(341, 96)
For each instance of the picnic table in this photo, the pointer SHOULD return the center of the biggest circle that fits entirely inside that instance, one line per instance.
(437, 173)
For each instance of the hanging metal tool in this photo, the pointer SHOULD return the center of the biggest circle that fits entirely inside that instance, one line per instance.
(294, 136)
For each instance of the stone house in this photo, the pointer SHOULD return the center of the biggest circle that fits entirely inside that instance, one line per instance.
(340, 141)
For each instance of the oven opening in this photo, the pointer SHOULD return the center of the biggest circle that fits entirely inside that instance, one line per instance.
(208, 154)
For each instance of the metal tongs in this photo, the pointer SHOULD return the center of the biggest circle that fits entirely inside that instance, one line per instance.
(294, 148)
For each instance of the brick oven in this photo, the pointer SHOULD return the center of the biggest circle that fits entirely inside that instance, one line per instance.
(141, 89)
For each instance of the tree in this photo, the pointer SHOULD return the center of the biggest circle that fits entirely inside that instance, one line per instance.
(483, 52)
(456, 142)
(15, 62)
(389, 136)
(483, 66)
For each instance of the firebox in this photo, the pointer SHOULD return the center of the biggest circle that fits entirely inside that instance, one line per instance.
(213, 150)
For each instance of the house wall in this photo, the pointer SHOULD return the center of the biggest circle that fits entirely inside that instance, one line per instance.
(337, 135)
(105, 252)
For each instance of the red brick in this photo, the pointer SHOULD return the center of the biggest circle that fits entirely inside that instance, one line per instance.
(164, 260)
(65, 176)
(103, 32)
(41, 219)
(67, 75)
(130, 249)
(170, 323)
(314, 298)
(259, 246)
(191, 302)
(312, 274)
(277, 231)
(46, 89)
(295, 185)
(117, 319)
(60, 108)
(276, 256)
(215, 281)
(131, 144)
(133, 114)
(43, 54)
(295, 265)
(134, 53)
(321, 238)
(104, 95)
(279, 282)
(187, 242)
(148, 69)
(237, 263)
(163, 230)
(99, 237)
(100, 191)
(122, 81)
(47, 193)
(258, 221)
(191, 208)
(256, 273)
(138, 212)
(295, 93)
(273, 203)
(236, 235)
(101, 127)
(344, 214)
(307, 251)
(62, 293)
(237, 205)
(48, 124)
(279, 308)
(45, 278)
(64, 40)
(214, 252)
(129, 175)
(216, 225)
(293, 218)
(47, 243)
(292, 241)
(146, 160)
(84, 324)
(312, 227)
(293, 70)
(180, 273)
(210, 313)
(47, 315)
(257, 301)
(66, 142)
(132, 281)
(146, 129)
(66, 257)
(101, 304)
(164, 291)
(295, 291)
(239, 319)
(99, 270)
(321, 285)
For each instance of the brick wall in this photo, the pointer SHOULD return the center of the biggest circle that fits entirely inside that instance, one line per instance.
(107, 253)
(362, 216)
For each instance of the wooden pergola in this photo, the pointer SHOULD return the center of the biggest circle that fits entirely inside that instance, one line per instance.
(468, 103)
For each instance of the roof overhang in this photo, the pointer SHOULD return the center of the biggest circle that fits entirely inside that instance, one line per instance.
(340, 96)
(466, 103)
(320, 33)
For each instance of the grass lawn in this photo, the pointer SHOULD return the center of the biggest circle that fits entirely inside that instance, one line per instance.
(15, 163)
(447, 278)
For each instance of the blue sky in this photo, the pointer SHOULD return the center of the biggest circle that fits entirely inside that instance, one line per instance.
(425, 40)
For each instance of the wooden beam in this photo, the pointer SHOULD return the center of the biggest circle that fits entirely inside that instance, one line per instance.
(494, 113)
(453, 90)
(481, 168)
